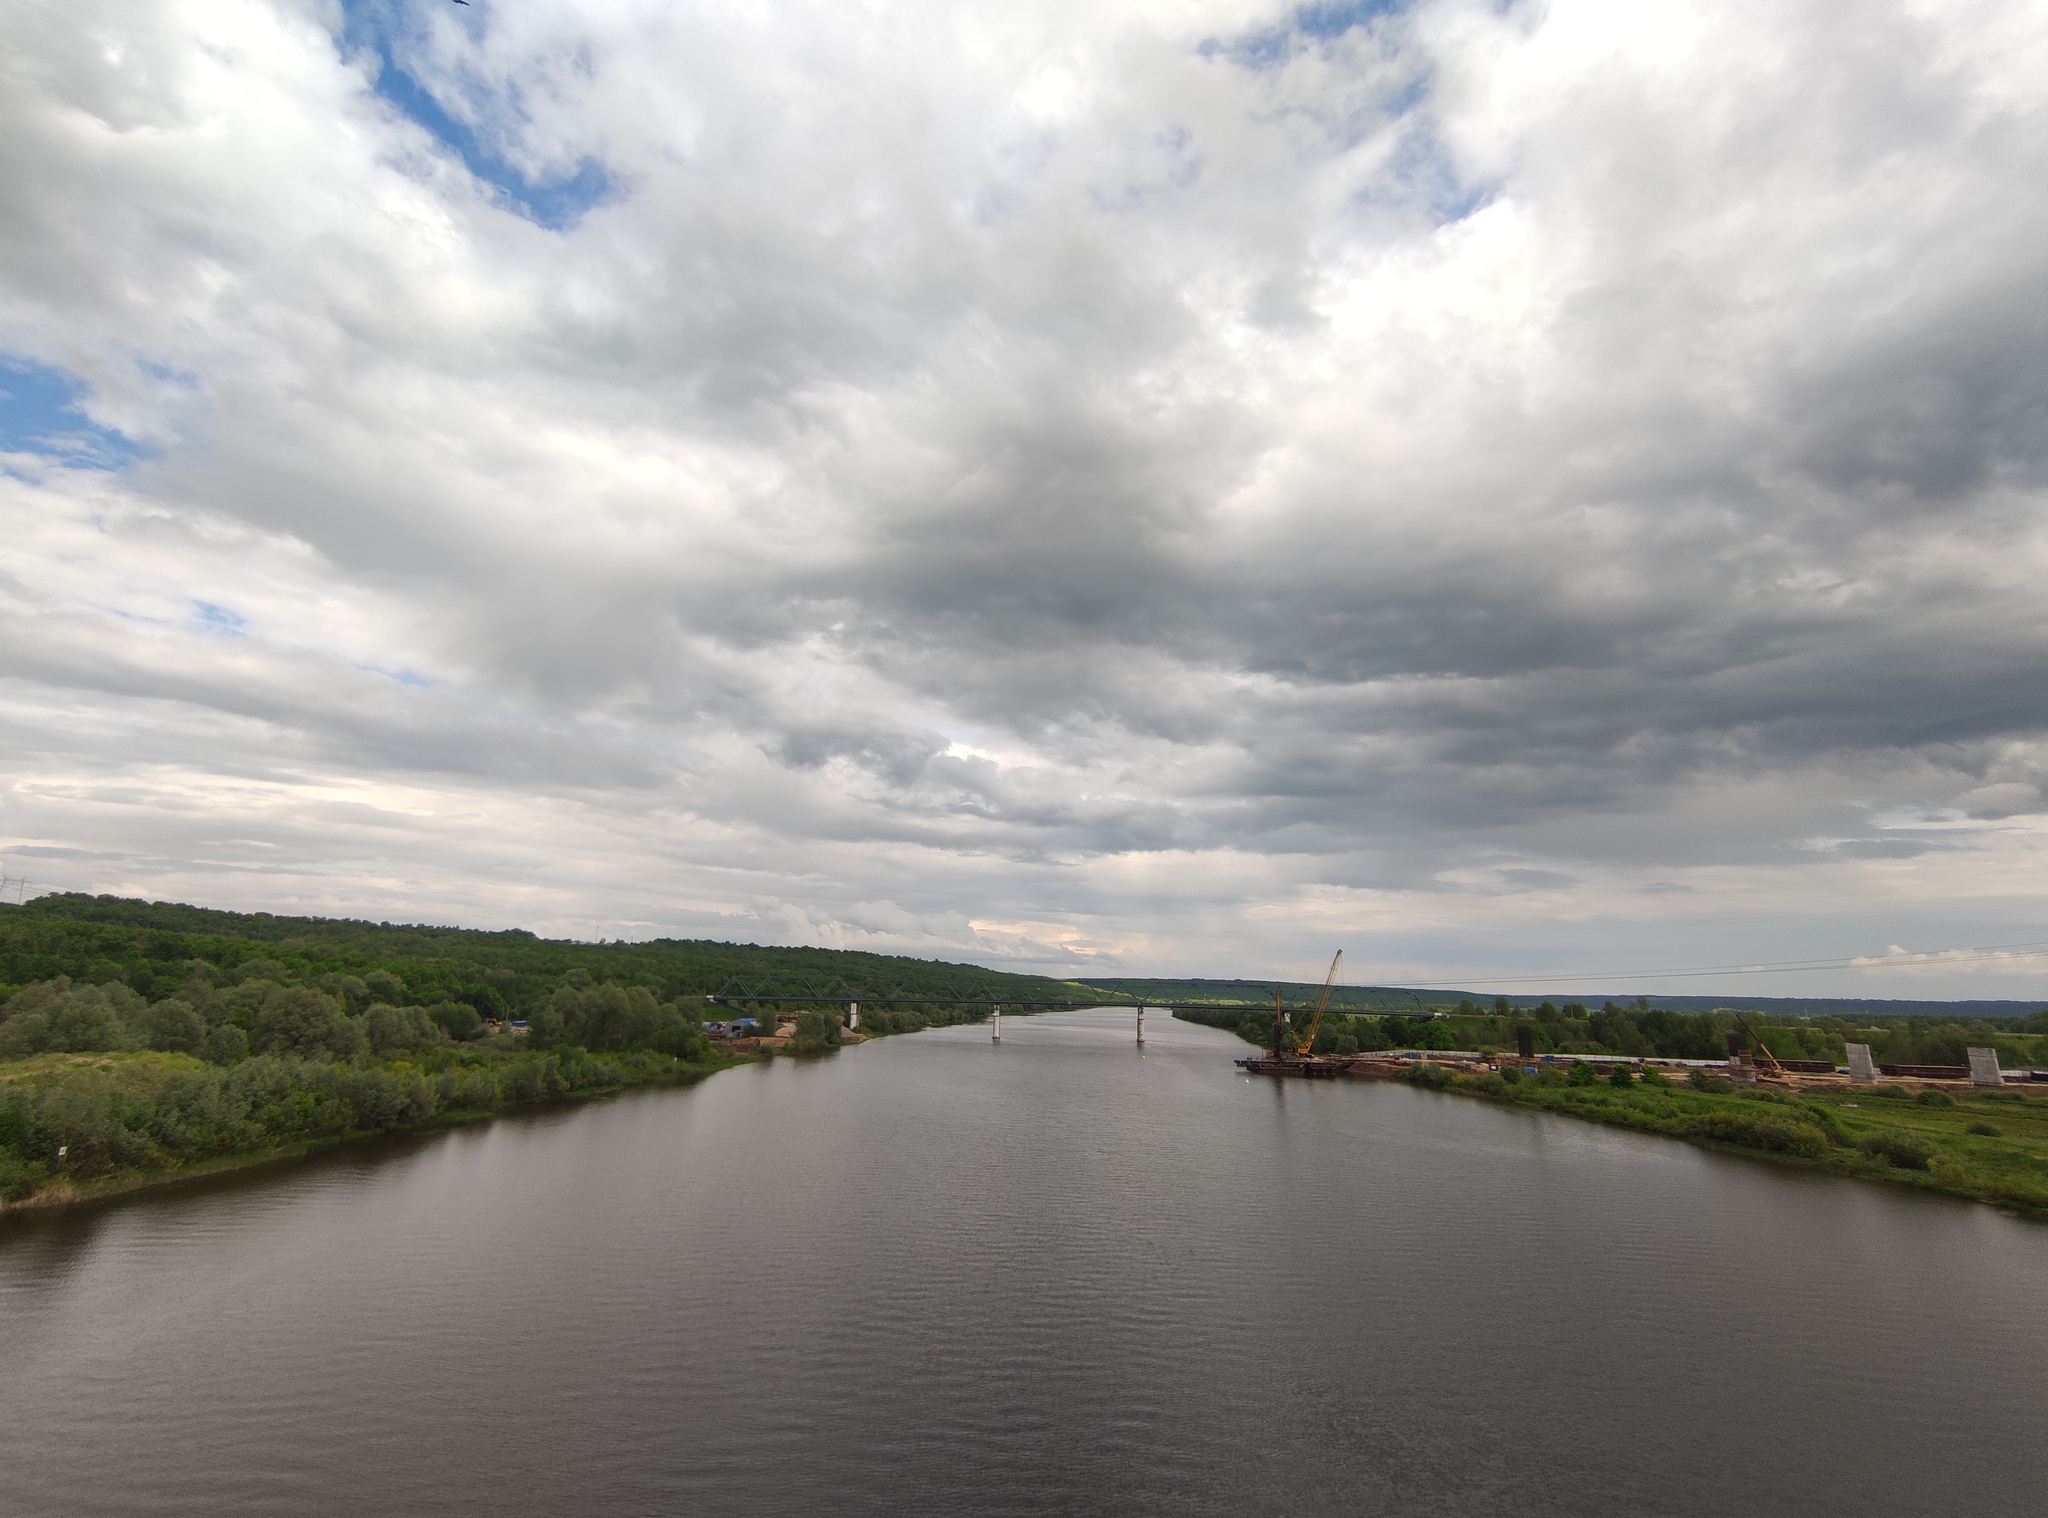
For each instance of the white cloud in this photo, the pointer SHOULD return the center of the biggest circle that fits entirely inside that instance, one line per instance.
(1141, 485)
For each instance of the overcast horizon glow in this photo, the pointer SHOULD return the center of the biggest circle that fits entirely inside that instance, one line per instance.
(1117, 488)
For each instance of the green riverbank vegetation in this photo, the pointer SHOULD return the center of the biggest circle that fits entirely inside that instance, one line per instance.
(147, 1040)
(101, 1090)
(1989, 1145)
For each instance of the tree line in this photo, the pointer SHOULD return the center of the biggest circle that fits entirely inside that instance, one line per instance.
(251, 1058)
(1640, 1030)
(148, 947)
(227, 1034)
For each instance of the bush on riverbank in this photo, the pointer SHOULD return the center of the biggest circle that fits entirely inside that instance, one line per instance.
(373, 1025)
(1905, 1150)
(1771, 1134)
(88, 1117)
(816, 1031)
(1943, 1147)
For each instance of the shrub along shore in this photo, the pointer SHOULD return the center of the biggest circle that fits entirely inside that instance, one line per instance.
(76, 1124)
(1989, 1145)
(96, 1111)
(105, 1092)
(79, 1126)
(142, 1042)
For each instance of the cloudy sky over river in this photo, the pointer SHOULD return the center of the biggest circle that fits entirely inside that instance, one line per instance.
(1178, 487)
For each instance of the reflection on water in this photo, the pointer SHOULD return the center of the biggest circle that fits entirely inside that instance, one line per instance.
(1060, 1274)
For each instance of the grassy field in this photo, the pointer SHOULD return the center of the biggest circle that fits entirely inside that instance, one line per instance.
(1987, 1145)
(137, 1073)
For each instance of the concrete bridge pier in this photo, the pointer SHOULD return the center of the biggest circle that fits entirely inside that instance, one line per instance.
(995, 1023)
(1141, 1026)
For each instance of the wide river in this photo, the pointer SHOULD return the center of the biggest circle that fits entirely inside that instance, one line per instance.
(1062, 1274)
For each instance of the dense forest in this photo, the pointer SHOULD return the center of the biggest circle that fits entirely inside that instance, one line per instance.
(152, 947)
(148, 1036)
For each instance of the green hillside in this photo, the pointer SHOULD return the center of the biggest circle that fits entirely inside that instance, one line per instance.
(152, 947)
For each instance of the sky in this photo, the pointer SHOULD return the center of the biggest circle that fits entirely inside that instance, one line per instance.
(1512, 491)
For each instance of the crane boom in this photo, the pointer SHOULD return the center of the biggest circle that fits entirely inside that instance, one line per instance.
(1322, 1002)
(1287, 1042)
(1769, 1058)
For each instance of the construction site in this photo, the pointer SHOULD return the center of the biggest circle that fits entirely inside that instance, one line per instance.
(1749, 1064)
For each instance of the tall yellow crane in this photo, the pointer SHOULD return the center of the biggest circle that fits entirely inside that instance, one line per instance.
(1286, 1042)
(1767, 1059)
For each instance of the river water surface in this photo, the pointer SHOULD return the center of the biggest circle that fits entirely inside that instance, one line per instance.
(1062, 1274)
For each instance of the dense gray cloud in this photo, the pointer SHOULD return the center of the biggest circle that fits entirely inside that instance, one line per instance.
(1161, 487)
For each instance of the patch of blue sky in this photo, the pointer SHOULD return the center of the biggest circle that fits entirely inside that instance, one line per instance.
(1334, 20)
(1421, 173)
(1270, 46)
(183, 379)
(382, 27)
(219, 621)
(42, 411)
(409, 677)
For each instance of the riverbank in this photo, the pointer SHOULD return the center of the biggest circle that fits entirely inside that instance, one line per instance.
(1984, 1145)
(111, 1122)
(118, 1122)
(196, 1041)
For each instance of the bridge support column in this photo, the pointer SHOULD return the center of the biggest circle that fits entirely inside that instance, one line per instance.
(853, 1015)
(995, 1023)
(1141, 1025)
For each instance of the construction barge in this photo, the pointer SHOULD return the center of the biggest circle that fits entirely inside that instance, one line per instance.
(1315, 1067)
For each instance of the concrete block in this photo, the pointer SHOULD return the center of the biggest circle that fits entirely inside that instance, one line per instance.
(1984, 1068)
